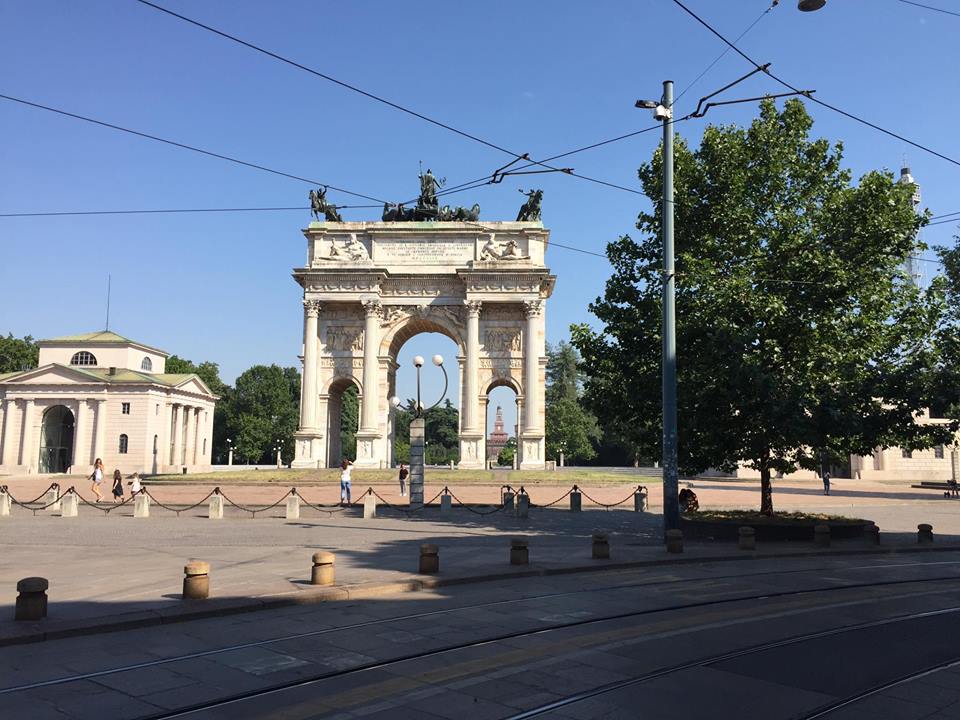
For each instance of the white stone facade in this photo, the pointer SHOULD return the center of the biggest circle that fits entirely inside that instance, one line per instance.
(60, 416)
(371, 286)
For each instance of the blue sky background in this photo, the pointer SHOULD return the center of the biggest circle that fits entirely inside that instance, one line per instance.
(533, 77)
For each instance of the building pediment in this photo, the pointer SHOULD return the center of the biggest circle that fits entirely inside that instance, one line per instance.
(194, 384)
(52, 375)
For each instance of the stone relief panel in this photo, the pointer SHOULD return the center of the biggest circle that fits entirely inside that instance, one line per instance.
(501, 340)
(415, 287)
(531, 450)
(501, 311)
(341, 250)
(344, 338)
(450, 314)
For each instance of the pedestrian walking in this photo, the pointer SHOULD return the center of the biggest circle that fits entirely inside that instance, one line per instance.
(96, 479)
(135, 487)
(826, 482)
(117, 486)
(403, 480)
(345, 467)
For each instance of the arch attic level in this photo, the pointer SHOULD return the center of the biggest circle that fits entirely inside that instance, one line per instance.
(368, 287)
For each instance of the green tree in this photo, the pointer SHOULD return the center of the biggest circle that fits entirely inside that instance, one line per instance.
(349, 421)
(265, 408)
(441, 433)
(571, 428)
(18, 354)
(798, 333)
(508, 452)
(948, 337)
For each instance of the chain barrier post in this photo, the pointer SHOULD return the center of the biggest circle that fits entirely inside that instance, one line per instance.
(576, 499)
(640, 499)
(141, 506)
(507, 494)
(215, 511)
(523, 503)
(293, 505)
(52, 500)
(446, 502)
(68, 504)
(370, 505)
(4, 502)
(323, 568)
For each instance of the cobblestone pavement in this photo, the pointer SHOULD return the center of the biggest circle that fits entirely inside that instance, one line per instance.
(768, 639)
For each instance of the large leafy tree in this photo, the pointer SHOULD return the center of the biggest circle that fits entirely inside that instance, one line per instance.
(18, 354)
(799, 335)
(571, 428)
(948, 336)
(264, 409)
(441, 433)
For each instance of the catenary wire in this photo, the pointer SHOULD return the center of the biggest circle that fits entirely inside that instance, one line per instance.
(813, 99)
(930, 7)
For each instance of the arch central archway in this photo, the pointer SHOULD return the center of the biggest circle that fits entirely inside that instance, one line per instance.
(370, 287)
(56, 440)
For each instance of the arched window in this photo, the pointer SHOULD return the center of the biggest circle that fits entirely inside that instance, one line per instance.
(123, 444)
(83, 358)
(147, 364)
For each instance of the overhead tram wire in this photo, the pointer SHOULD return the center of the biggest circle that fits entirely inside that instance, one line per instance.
(813, 99)
(184, 146)
(930, 7)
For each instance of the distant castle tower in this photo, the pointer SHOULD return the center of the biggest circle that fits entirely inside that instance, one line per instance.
(498, 438)
(912, 266)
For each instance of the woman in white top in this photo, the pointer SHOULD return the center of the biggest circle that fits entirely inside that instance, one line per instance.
(345, 468)
(97, 478)
(135, 487)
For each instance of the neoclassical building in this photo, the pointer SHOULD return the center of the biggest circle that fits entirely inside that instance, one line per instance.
(368, 287)
(102, 395)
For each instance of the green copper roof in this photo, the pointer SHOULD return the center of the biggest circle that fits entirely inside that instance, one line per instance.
(121, 377)
(103, 336)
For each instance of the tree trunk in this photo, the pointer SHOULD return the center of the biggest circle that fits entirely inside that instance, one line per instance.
(766, 490)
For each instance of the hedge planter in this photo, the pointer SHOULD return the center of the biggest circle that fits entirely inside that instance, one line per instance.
(777, 527)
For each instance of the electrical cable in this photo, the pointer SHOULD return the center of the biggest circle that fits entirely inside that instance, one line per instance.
(930, 7)
(811, 98)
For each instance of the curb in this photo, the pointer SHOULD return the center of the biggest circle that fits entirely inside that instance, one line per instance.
(188, 610)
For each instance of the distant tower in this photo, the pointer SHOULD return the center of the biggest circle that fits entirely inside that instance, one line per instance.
(912, 266)
(498, 438)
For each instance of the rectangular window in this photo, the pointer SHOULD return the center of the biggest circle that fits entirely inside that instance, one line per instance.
(125, 408)
(907, 453)
(938, 452)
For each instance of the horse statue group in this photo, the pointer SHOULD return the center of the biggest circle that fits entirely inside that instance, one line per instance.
(398, 213)
(530, 210)
(319, 204)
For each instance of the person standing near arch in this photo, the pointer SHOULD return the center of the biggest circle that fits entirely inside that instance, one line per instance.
(403, 480)
(345, 467)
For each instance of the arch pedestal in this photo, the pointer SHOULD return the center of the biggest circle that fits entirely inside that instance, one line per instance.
(369, 287)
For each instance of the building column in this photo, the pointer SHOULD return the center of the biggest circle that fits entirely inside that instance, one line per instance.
(101, 429)
(471, 363)
(27, 445)
(308, 402)
(9, 457)
(177, 428)
(81, 450)
(190, 421)
(531, 366)
(371, 366)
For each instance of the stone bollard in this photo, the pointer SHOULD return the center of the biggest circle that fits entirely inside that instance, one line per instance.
(141, 506)
(52, 498)
(323, 570)
(446, 504)
(508, 500)
(196, 580)
(871, 534)
(674, 541)
(216, 507)
(523, 505)
(748, 539)
(640, 500)
(601, 546)
(821, 536)
(293, 506)
(369, 506)
(924, 534)
(4, 503)
(576, 500)
(429, 559)
(31, 599)
(519, 552)
(68, 505)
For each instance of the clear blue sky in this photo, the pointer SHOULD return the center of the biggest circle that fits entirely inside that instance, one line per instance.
(533, 77)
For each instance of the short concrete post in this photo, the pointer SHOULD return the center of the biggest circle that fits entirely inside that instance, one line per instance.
(4, 503)
(323, 568)
(924, 534)
(871, 534)
(523, 505)
(31, 599)
(293, 506)
(674, 541)
(748, 539)
(216, 506)
(640, 500)
(601, 546)
(429, 559)
(196, 580)
(68, 505)
(141, 506)
(369, 506)
(446, 504)
(52, 499)
(576, 500)
(821, 536)
(508, 500)
(519, 552)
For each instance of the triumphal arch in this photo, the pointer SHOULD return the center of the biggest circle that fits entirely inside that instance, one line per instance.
(368, 287)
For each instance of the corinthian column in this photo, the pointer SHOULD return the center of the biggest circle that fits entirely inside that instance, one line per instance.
(308, 403)
(371, 340)
(470, 366)
(531, 366)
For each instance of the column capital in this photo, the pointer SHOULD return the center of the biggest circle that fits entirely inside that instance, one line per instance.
(312, 307)
(473, 307)
(532, 308)
(372, 307)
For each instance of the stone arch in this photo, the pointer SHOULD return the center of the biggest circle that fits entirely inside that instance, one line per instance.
(497, 381)
(397, 335)
(56, 439)
(333, 402)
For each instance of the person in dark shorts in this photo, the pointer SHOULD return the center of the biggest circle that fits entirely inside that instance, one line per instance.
(403, 480)
(117, 486)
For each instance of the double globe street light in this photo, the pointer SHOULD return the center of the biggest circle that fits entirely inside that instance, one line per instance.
(417, 409)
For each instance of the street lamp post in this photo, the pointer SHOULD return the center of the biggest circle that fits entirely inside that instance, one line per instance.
(278, 449)
(229, 452)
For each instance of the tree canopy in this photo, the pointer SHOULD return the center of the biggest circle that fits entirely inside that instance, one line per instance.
(18, 354)
(571, 428)
(799, 335)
